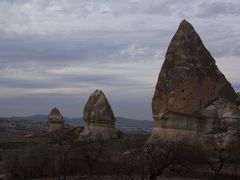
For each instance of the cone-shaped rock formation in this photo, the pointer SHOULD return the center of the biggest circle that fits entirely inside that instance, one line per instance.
(99, 118)
(55, 120)
(189, 81)
(97, 109)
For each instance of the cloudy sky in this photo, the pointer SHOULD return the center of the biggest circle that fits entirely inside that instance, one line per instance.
(57, 52)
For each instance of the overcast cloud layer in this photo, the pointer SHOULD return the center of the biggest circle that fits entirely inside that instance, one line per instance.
(57, 52)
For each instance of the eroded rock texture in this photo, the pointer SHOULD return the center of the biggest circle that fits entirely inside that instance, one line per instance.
(192, 96)
(238, 99)
(55, 120)
(98, 110)
(99, 118)
(189, 79)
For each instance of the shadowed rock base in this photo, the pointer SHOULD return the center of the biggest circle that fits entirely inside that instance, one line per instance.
(220, 117)
(97, 132)
(55, 127)
(180, 127)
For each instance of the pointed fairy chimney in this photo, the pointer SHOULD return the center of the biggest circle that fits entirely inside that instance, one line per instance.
(189, 80)
(99, 118)
(55, 120)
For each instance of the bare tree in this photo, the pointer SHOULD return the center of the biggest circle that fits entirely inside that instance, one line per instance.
(220, 146)
(164, 155)
(133, 159)
(90, 154)
(65, 146)
(217, 153)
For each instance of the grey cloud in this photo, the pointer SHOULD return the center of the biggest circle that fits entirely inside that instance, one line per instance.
(218, 8)
(30, 104)
(163, 8)
(69, 81)
(39, 37)
(82, 46)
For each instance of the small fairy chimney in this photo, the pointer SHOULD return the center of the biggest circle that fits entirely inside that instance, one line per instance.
(55, 120)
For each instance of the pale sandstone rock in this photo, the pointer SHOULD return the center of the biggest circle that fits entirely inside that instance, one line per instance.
(189, 79)
(99, 118)
(191, 94)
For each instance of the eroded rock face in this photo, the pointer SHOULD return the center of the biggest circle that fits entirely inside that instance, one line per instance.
(99, 118)
(191, 95)
(189, 79)
(97, 109)
(238, 99)
(226, 121)
(55, 120)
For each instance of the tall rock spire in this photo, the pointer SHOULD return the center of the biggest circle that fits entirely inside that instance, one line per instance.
(189, 79)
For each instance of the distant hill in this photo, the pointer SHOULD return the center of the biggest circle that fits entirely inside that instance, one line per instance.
(34, 118)
(121, 122)
(126, 122)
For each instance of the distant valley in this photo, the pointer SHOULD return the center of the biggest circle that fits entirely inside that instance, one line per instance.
(39, 124)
